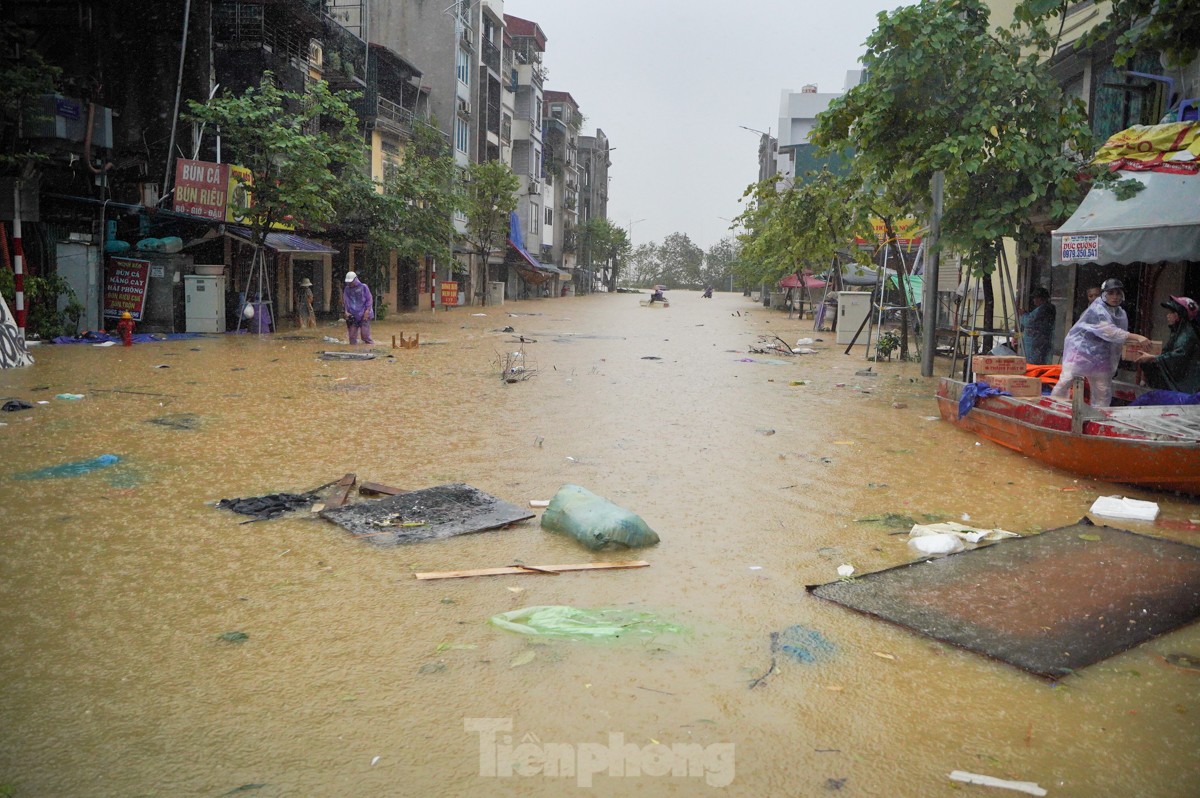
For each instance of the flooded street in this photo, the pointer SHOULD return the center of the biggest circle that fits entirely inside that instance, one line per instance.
(357, 679)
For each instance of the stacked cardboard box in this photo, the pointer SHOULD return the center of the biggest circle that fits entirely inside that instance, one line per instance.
(998, 364)
(1017, 386)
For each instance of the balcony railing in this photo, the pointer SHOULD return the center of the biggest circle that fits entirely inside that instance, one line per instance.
(402, 117)
(491, 56)
(245, 25)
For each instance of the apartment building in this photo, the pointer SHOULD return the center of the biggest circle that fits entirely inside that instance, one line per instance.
(561, 123)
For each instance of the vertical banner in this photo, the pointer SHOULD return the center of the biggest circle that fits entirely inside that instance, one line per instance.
(449, 293)
(125, 282)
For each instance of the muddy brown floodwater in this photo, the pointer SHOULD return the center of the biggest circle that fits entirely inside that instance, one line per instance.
(358, 680)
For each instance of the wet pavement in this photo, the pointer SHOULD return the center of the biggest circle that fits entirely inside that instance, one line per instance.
(354, 678)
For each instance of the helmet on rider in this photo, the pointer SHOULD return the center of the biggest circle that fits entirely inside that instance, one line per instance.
(1112, 284)
(1186, 307)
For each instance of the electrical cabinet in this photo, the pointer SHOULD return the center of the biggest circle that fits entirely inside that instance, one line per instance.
(853, 309)
(205, 301)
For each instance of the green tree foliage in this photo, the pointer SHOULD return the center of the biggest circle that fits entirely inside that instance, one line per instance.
(801, 224)
(1170, 27)
(21, 80)
(946, 91)
(410, 213)
(681, 262)
(720, 262)
(489, 197)
(302, 150)
(605, 243)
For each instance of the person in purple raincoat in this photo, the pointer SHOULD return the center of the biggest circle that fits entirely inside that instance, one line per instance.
(359, 307)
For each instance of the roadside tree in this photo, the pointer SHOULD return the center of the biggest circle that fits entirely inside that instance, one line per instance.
(605, 243)
(409, 213)
(489, 196)
(303, 150)
(1171, 27)
(948, 92)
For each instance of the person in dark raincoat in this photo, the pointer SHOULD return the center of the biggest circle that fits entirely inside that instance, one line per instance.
(1178, 367)
(1038, 327)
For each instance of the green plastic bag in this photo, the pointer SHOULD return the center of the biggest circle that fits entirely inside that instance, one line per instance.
(577, 624)
(594, 521)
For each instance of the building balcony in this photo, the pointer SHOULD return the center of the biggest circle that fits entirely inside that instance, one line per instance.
(491, 56)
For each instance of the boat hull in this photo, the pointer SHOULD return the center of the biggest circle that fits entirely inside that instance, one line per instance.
(1034, 428)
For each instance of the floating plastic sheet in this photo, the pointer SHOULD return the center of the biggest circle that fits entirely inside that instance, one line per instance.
(1051, 603)
(68, 470)
(428, 514)
(580, 624)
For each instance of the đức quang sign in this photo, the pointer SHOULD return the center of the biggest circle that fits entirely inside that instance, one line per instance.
(217, 191)
(1083, 248)
(125, 282)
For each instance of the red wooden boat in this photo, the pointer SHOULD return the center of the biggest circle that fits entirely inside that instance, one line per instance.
(1150, 447)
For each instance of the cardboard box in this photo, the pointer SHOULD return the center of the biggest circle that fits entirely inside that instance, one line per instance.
(998, 364)
(1130, 351)
(1017, 386)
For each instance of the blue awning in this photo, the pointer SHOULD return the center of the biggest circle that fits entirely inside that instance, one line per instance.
(530, 268)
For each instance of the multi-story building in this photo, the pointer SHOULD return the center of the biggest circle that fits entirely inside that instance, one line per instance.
(528, 41)
(792, 153)
(594, 161)
(494, 89)
(561, 121)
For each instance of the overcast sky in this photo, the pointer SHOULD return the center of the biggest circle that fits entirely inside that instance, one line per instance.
(670, 81)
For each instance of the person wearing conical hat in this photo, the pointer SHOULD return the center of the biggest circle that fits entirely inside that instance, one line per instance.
(305, 316)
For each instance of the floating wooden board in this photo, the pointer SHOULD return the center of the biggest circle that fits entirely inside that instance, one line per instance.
(341, 491)
(533, 569)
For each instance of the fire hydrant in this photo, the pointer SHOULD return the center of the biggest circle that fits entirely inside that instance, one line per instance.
(125, 328)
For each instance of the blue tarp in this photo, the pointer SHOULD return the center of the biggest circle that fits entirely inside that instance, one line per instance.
(972, 392)
(517, 241)
(93, 337)
(1166, 398)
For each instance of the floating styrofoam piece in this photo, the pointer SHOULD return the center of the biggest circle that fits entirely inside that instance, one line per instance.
(936, 545)
(1128, 509)
(1027, 787)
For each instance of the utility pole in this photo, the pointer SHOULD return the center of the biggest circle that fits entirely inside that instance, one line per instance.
(929, 289)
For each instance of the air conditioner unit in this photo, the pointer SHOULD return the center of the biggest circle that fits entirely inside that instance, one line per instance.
(464, 107)
(468, 35)
(535, 187)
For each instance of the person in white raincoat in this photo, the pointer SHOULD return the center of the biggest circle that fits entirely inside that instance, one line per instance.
(1092, 348)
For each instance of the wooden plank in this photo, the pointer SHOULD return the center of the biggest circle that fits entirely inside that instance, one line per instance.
(375, 487)
(529, 569)
(341, 491)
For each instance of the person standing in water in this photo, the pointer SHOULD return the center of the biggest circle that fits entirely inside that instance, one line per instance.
(359, 307)
(305, 316)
